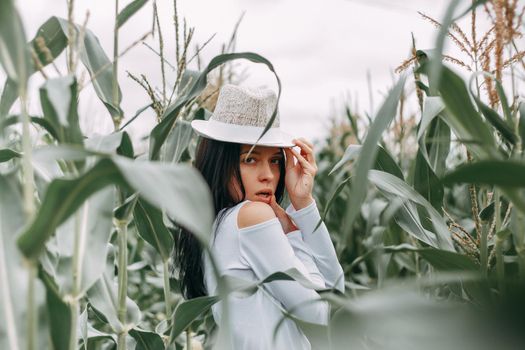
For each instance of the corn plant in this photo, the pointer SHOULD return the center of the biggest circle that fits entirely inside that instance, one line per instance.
(85, 240)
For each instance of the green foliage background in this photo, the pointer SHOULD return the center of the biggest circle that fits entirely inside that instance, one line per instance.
(427, 211)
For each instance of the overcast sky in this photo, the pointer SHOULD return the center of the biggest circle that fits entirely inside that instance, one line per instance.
(321, 50)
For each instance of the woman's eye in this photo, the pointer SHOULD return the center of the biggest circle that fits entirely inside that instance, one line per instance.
(276, 161)
(248, 160)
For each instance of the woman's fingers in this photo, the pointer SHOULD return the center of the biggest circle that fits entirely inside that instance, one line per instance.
(304, 163)
(278, 210)
(306, 150)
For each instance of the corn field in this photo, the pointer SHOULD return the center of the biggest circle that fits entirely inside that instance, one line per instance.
(426, 209)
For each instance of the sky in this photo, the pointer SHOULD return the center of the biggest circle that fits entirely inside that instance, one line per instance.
(324, 52)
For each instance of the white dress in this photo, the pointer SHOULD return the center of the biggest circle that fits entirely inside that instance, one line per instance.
(252, 253)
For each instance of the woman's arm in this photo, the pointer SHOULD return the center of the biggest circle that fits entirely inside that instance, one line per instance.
(295, 238)
(266, 250)
(304, 253)
(320, 244)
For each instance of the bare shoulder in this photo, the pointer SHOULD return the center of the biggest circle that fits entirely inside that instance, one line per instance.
(253, 213)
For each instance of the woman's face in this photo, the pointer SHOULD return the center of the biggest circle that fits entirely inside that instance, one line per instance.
(260, 173)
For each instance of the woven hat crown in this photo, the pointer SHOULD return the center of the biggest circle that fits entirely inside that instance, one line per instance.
(245, 106)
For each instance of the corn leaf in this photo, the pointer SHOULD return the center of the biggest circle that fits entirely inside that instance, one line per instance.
(507, 173)
(179, 189)
(368, 154)
(129, 11)
(151, 228)
(188, 311)
(8, 154)
(14, 53)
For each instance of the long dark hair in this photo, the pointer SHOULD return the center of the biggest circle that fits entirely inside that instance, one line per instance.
(218, 162)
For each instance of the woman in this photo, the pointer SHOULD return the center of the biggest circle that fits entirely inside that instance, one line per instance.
(253, 236)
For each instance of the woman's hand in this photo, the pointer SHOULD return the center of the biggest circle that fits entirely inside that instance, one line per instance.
(299, 178)
(284, 219)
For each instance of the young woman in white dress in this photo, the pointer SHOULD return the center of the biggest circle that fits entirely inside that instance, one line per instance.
(253, 236)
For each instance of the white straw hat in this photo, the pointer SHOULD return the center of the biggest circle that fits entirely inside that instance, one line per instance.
(240, 116)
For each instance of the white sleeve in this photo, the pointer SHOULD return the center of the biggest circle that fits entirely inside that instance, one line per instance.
(265, 248)
(304, 253)
(320, 244)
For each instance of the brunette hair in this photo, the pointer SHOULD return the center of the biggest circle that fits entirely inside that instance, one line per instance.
(218, 162)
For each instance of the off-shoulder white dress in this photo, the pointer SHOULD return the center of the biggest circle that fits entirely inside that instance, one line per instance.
(252, 253)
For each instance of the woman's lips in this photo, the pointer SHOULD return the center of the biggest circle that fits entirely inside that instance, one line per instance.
(264, 198)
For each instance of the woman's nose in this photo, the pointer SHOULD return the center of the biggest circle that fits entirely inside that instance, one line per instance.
(265, 173)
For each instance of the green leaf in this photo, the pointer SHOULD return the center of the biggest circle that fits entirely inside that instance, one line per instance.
(393, 187)
(95, 226)
(189, 77)
(436, 65)
(14, 54)
(13, 275)
(368, 154)
(178, 141)
(126, 147)
(503, 235)
(517, 226)
(99, 67)
(146, 340)
(504, 103)
(353, 123)
(160, 132)
(331, 200)
(106, 143)
(384, 160)
(497, 122)
(103, 297)
(501, 94)
(188, 311)
(178, 189)
(317, 334)
(487, 213)
(62, 198)
(151, 228)
(59, 314)
(137, 113)
(431, 109)
(48, 36)
(129, 11)
(521, 125)
(8, 97)
(291, 274)
(427, 183)
(445, 260)
(442, 260)
(8, 154)
(123, 212)
(506, 173)
(49, 41)
(351, 153)
(59, 102)
(88, 332)
(462, 117)
(436, 145)
(44, 123)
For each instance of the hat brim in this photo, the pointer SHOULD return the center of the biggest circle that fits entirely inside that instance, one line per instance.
(219, 131)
